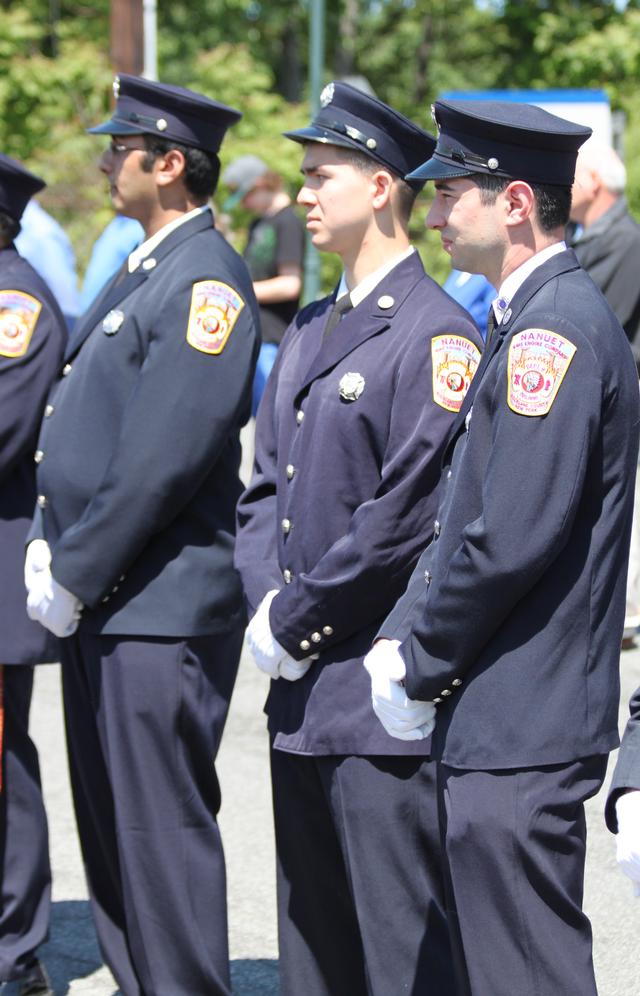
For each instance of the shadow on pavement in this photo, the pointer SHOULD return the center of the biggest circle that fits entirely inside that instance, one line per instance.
(255, 977)
(72, 954)
(72, 949)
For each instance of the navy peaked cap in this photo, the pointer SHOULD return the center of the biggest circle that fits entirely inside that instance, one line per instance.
(351, 118)
(17, 186)
(144, 107)
(514, 140)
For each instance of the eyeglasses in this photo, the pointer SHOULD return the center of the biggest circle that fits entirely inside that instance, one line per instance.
(116, 148)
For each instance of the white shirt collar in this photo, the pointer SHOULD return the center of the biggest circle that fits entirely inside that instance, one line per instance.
(372, 280)
(514, 281)
(147, 247)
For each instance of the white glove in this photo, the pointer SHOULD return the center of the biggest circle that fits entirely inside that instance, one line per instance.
(36, 563)
(55, 608)
(628, 837)
(269, 655)
(402, 718)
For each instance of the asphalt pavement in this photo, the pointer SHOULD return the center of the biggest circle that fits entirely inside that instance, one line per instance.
(72, 955)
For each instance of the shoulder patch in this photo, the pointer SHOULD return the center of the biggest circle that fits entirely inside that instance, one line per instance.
(454, 361)
(214, 310)
(18, 316)
(538, 361)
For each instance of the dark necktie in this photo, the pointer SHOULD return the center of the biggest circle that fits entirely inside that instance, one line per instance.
(342, 305)
(492, 324)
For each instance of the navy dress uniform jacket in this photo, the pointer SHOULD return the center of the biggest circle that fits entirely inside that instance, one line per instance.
(24, 382)
(513, 617)
(342, 500)
(139, 474)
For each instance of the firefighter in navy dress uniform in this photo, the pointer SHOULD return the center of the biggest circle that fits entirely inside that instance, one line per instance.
(32, 340)
(510, 628)
(348, 444)
(137, 485)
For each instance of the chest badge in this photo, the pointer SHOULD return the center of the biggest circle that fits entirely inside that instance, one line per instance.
(351, 386)
(112, 322)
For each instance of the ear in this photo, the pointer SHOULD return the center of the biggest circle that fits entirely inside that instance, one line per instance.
(169, 167)
(382, 182)
(519, 202)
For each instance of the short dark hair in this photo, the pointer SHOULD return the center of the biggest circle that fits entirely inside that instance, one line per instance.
(9, 228)
(553, 203)
(202, 169)
(406, 193)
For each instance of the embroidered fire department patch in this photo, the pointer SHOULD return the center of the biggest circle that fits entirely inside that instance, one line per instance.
(538, 361)
(454, 360)
(214, 309)
(18, 316)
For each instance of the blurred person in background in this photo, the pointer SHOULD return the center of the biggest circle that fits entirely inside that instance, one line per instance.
(607, 243)
(274, 253)
(44, 243)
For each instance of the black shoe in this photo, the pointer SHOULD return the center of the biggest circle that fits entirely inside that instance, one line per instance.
(35, 983)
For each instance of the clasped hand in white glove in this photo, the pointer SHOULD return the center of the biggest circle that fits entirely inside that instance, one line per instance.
(269, 655)
(36, 563)
(402, 718)
(55, 608)
(628, 838)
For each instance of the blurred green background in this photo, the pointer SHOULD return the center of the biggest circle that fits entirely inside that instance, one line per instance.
(55, 78)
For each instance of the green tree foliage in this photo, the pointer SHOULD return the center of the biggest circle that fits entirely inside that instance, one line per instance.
(55, 77)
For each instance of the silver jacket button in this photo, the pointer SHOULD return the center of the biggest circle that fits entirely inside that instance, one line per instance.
(66, 369)
(327, 630)
(300, 417)
(315, 638)
(305, 645)
(287, 575)
(43, 501)
(286, 525)
(456, 682)
(38, 456)
(48, 412)
(290, 470)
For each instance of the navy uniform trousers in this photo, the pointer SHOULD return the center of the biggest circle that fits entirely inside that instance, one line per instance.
(25, 892)
(357, 843)
(508, 893)
(146, 797)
